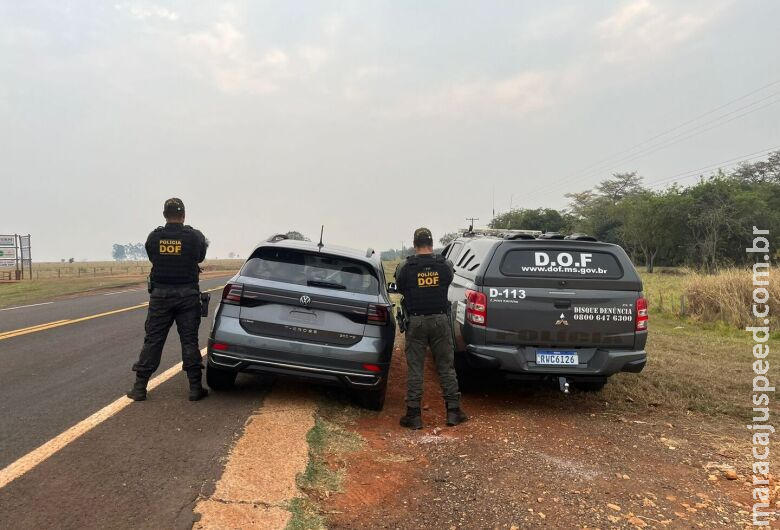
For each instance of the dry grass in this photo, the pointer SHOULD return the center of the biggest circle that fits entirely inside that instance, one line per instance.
(689, 369)
(727, 297)
(54, 280)
(94, 269)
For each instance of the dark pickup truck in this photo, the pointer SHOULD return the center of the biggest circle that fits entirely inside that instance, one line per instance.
(547, 307)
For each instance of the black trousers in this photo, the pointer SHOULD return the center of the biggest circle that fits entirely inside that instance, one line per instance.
(166, 306)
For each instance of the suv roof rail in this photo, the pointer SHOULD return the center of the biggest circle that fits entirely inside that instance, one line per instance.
(369, 252)
(550, 235)
(276, 238)
(580, 237)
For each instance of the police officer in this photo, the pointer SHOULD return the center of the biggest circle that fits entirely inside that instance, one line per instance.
(424, 280)
(175, 251)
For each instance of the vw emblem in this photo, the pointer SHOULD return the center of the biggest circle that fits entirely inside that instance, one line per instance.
(305, 300)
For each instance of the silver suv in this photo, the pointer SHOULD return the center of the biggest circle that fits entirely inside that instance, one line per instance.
(308, 311)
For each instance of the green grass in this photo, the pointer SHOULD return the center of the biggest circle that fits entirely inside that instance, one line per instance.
(305, 515)
(328, 442)
(31, 292)
(664, 289)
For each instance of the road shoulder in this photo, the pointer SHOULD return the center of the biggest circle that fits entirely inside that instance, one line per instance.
(259, 480)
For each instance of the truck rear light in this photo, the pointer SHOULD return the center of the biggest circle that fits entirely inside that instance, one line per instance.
(220, 346)
(232, 293)
(641, 314)
(377, 314)
(476, 307)
(372, 367)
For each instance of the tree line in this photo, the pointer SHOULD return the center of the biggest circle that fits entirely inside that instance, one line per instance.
(129, 251)
(706, 225)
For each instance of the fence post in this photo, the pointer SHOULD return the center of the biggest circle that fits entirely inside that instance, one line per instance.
(682, 305)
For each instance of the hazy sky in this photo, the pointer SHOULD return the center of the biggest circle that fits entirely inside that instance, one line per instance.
(371, 117)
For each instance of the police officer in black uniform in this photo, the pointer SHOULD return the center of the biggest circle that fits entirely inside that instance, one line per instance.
(175, 251)
(424, 279)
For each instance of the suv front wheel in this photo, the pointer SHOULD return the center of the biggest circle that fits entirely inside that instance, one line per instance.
(220, 380)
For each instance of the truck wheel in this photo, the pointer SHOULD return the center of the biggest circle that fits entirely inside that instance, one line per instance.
(467, 376)
(220, 380)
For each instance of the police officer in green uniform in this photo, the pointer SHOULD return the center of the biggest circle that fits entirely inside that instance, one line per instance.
(175, 251)
(423, 280)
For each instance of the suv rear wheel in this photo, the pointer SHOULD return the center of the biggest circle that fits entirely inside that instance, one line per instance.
(220, 380)
(373, 399)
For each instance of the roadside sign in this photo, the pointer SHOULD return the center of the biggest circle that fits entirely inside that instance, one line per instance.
(7, 253)
(8, 241)
(25, 253)
(7, 263)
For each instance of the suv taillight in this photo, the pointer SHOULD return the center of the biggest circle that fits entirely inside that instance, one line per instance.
(232, 292)
(476, 307)
(641, 314)
(377, 314)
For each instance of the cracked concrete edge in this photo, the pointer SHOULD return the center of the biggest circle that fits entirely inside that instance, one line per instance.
(260, 475)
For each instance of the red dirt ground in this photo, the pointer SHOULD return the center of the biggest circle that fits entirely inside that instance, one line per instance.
(530, 457)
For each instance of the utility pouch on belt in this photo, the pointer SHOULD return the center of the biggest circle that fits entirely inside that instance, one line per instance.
(204, 304)
(149, 284)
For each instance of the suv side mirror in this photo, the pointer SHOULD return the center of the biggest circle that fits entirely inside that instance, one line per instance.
(392, 287)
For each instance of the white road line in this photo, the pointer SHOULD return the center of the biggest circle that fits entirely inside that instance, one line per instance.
(120, 292)
(36, 456)
(23, 306)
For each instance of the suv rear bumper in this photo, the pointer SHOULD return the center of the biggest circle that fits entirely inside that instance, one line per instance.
(238, 362)
(522, 360)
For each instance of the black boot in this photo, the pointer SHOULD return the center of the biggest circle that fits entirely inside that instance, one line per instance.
(138, 392)
(412, 420)
(197, 392)
(455, 416)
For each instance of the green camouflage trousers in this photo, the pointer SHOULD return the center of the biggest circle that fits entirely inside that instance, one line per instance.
(433, 330)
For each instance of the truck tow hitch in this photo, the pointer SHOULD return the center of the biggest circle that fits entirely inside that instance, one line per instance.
(564, 384)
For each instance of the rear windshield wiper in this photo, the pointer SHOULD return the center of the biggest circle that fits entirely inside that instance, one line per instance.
(327, 285)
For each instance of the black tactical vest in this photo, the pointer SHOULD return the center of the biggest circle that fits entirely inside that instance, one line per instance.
(424, 281)
(175, 251)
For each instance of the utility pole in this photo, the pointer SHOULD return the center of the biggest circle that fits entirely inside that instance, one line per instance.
(471, 222)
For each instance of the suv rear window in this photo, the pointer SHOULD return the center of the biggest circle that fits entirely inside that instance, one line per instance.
(561, 264)
(314, 270)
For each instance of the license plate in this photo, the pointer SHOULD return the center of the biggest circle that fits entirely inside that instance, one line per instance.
(557, 358)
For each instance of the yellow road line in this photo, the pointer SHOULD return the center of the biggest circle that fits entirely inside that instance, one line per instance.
(36, 456)
(59, 323)
(31, 328)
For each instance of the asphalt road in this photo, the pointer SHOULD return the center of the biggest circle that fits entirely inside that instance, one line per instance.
(143, 467)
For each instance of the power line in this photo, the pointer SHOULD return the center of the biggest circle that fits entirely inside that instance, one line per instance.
(726, 163)
(676, 127)
(610, 159)
(685, 136)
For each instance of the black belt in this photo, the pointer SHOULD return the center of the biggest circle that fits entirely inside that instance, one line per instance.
(427, 314)
(156, 285)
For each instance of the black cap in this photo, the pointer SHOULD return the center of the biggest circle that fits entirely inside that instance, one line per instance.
(174, 207)
(423, 237)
